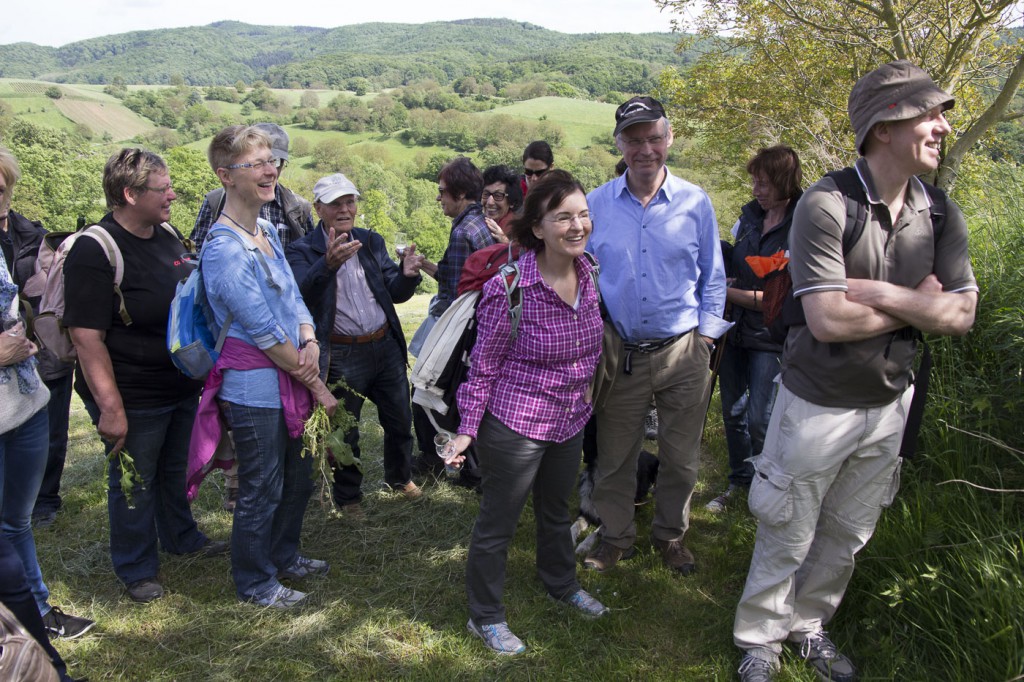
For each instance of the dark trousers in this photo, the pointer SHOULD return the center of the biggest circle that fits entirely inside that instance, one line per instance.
(377, 371)
(57, 409)
(513, 466)
(16, 596)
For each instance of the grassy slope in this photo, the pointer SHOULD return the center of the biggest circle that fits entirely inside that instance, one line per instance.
(582, 120)
(80, 104)
(394, 603)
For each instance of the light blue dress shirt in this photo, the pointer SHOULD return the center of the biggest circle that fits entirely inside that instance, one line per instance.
(661, 265)
(265, 313)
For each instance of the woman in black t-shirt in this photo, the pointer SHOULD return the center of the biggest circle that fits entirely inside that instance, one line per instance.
(137, 399)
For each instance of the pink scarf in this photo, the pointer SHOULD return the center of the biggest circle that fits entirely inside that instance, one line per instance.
(209, 428)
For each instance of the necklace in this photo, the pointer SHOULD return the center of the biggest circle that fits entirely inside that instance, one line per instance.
(255, 232)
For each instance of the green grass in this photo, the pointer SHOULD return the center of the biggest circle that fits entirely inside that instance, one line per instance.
(581, 120)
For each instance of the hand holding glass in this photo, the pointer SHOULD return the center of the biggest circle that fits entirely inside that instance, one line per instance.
(445, 447)
(401, 241)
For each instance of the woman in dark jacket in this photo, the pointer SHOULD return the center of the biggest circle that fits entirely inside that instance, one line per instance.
(751, 359)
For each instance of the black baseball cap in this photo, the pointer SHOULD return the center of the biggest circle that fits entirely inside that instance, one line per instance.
(638, 110)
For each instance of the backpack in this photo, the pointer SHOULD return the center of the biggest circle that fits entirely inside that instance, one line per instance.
(443, 363)
(48, 325)
(781, 309)
(192, 343)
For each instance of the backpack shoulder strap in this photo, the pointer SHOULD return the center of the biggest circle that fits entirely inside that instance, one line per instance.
(215, 200)
(510, 276)
(595, 273)
(937, 209)
(849, 184)
(257, 254)
(109, 246)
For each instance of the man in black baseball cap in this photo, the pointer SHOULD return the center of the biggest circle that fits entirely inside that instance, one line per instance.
(832, 453)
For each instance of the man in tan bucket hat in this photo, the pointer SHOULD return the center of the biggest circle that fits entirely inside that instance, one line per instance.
(831, 457)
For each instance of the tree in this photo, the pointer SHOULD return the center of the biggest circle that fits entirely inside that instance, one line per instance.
(781, 71)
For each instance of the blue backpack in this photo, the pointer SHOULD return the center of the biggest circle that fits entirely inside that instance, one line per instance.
(193, 340)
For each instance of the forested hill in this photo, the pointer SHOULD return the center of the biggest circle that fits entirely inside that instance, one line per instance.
(495, 51)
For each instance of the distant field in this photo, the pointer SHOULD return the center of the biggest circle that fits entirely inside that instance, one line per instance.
(80, 104)
(581, 120)
(101, 117)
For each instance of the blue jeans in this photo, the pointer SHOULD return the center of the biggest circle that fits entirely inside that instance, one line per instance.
(274, 485)
(22, 462)
(513, 466)
(157, 441)
(747, 385)
(377, 371)
(58, 409)
(17, 596)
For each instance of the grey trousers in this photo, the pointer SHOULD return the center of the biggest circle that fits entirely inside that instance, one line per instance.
(512, 466)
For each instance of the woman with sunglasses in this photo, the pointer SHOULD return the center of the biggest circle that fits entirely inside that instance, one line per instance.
(267, 374)
(537, 160)
(524, 402)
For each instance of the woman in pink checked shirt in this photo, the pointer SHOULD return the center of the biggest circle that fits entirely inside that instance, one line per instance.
(524, 403)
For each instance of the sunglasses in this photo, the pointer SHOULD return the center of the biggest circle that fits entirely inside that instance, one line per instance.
(530, 172)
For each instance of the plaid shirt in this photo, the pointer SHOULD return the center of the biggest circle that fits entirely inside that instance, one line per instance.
(272, 212)
(535, 385)
(469, 234)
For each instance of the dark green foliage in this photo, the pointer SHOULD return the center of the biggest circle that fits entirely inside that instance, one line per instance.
(483, 57)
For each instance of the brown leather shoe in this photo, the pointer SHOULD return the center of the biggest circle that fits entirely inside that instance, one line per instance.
(605, 556)
(675, 555)
(410, 490)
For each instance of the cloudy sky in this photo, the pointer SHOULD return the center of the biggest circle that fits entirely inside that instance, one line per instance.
(58, 22)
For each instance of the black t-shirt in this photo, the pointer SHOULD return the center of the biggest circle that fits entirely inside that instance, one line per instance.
(145, 375)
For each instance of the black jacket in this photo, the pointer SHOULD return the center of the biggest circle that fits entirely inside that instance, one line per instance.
(749, 331)
(318, 284)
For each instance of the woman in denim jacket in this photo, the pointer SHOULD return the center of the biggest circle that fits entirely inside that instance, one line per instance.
(267, 374)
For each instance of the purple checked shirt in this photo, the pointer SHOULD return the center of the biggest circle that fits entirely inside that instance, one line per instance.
(535, 385)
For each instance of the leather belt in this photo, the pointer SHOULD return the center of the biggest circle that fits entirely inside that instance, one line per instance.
(365, 338)
(645, 347)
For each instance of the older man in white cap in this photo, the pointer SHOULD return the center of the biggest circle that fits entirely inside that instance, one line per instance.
(832, 453)
(288, 212)
(350, 285)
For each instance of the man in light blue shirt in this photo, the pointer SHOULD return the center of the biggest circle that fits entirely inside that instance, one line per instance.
(663, 282)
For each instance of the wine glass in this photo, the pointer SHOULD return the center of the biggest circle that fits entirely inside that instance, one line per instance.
(444, 446)
(401, 241)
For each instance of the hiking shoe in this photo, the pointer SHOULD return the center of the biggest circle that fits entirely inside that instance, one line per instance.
(44, 518)
(651, 425)
(213, 548)
(585, 604)
(353, 510)
(303, 568)
(675, 555)
(831, 666)
(281, 598)
(719, 504)
(497, 637)
(60, 624)
(605, 556)
(756, 670)
(410, 490)
(145, 591)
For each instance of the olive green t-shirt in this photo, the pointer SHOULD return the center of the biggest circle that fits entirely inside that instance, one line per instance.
(872, 372)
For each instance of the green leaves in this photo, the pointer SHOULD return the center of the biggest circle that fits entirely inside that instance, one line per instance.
(129, 477)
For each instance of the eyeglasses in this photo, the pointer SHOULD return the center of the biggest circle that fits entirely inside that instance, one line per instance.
(653, 140)
(258, 165)
(161, 190)
(498, 196)
(529, 172)
(565, 219)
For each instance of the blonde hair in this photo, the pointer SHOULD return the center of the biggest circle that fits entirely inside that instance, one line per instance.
(9, 167)
(233, 142)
